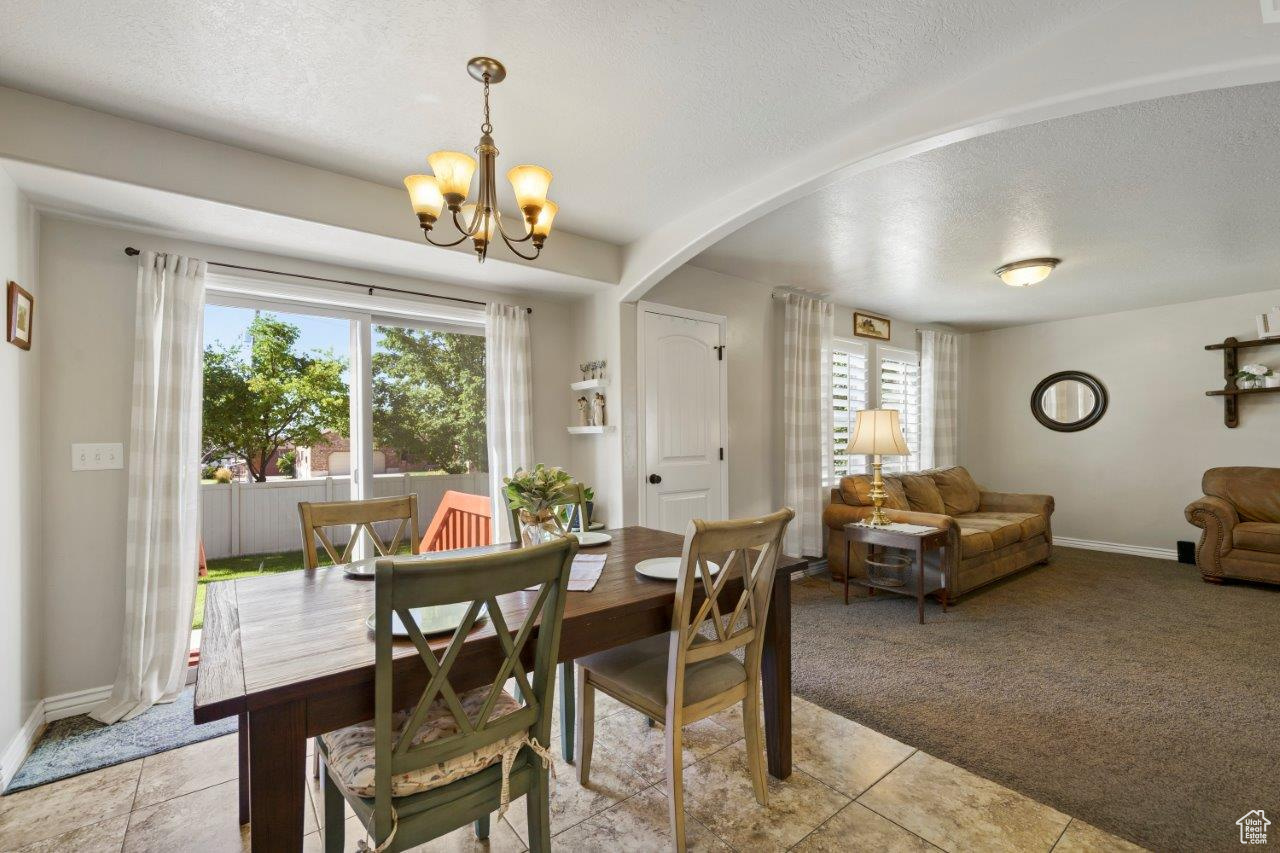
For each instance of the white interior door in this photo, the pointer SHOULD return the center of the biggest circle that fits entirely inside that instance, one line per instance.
(684, 409)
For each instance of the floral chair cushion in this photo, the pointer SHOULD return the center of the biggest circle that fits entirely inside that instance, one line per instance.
(350, 751)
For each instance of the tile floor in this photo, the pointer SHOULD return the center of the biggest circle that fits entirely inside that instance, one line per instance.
(852, 789)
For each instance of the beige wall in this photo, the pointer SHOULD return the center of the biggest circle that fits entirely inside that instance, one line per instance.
(1126, 479)
(20, 677)
(86, 319)
(755, 328)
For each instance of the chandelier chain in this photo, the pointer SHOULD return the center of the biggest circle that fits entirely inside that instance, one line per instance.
(486, 127)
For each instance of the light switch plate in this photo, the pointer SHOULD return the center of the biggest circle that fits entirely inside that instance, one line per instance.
(97, 457)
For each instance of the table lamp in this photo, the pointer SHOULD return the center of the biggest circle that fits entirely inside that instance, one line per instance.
(877, 433)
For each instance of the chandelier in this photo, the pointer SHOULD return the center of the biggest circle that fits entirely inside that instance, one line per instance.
(450, 185)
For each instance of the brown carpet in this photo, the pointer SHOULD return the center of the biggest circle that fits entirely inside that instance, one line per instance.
(1120, 690)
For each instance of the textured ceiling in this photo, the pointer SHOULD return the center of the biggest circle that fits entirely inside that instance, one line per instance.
(642, 110)
(1152, 203)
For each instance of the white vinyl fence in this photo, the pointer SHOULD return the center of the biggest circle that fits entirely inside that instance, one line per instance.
(259, 518)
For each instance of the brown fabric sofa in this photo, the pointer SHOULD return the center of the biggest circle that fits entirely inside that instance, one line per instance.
(989, 534)
(1240, 517)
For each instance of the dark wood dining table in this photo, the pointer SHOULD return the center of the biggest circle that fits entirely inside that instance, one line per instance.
(290, 655)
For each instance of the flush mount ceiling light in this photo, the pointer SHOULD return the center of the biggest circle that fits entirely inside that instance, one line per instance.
(450, 184)
(1028, 272)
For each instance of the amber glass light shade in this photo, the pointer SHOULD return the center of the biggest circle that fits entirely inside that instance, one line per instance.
(424, 194)
(546, 215)
(453, 171)
(530, 185)
(485, 232)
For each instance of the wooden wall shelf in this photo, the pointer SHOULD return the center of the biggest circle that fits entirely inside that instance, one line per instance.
(1230, 366)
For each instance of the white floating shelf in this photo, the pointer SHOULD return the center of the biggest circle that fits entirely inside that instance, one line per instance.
(590, 430)
(589, 384)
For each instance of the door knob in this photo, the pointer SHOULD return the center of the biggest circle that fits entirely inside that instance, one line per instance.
(655, 479)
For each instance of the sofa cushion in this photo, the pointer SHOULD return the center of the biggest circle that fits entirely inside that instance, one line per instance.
(975, 541)
(856, 491)
(960, 494)
(1257, 536)
(922, 493)
(1254, 492)
(1030, 524)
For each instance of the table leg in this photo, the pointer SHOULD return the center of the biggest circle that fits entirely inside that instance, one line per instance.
(920, 584)
(567, 710)
(847, 561)
(776, 675)
(277, 764)
(243, 737)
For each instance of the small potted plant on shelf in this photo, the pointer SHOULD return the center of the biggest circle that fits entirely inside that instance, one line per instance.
(1252, 376)
(534, 494)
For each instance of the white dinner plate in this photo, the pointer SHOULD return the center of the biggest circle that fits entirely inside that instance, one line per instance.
(438, 619)
(365, 568)
(592, 538)
(667, 568)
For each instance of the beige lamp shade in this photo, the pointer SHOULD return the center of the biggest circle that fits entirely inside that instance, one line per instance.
(878, 432)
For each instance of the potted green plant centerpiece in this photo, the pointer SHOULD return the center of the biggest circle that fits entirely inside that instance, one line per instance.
(533, 495)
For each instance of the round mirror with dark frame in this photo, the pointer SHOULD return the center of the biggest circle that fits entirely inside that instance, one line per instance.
(1069, 401)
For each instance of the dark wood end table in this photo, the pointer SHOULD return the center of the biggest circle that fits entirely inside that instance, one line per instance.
(926, 581)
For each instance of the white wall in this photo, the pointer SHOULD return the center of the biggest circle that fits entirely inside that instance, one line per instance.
(1127, 479)
(85, 317)
(20, 622)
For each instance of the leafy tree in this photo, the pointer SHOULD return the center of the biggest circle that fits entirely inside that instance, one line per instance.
(428, 397)
(275, 397)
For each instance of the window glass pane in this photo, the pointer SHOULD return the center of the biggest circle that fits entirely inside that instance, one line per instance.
(428, 401)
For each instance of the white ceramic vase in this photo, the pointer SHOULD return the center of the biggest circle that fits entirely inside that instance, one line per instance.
(1273, 381)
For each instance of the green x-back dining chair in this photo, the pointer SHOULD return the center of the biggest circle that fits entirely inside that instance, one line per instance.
(574, 496)
(454, 757)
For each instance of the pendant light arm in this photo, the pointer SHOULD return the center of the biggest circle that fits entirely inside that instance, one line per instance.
(427, 234)
(511, 244)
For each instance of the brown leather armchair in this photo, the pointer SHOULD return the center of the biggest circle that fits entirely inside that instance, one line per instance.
(1240, 519)
(989, 534)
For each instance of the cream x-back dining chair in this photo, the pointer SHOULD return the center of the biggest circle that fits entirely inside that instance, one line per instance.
(684, 675)
(361, 516)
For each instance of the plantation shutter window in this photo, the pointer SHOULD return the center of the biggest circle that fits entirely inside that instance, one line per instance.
(899, 386)
(849, 395)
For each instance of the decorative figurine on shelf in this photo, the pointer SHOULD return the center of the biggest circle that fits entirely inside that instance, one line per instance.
(584, 413)
(597, 410)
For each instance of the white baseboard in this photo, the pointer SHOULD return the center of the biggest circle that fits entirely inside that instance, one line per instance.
(1117, 548)
(21, 745)
(71, 704)
(46, 711)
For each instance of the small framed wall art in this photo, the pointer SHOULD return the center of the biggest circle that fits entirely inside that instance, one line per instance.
(870, 326)
(19, 308)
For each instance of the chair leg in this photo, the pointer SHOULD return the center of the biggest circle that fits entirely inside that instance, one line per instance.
(334, 817)
(566, 709)
(482, 828)
(538, 805)
(315, 760)
(586, 732)
(675, 783)
(755, 746)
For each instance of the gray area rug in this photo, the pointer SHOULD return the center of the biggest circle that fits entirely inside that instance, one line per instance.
(1121, 690)
(78, 744)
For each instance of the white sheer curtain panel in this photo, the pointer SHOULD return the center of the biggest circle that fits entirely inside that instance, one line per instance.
(807, 339)
(939, 399)
(508, 403)
(163, 536)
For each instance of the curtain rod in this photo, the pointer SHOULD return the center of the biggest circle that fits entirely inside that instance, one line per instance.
(131, 251)
(782, 294)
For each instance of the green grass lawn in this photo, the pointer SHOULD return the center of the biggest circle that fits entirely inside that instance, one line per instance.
(249, 566)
